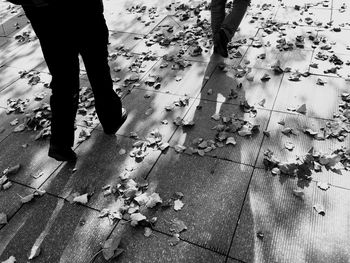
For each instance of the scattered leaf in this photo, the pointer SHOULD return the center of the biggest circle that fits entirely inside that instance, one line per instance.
(177, 226)
(174, 240)
(110, 248)
(148, 232)
(11, 259)
(319, 209)
(178, 204)
(302, 109)
(81, 199)
(324, 186)
(27, 198)
(136, 218)
(289, 146)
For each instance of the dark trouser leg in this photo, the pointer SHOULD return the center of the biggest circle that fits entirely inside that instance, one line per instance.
(54, 30)
(233, 19)
(94, 51)
(217, 9)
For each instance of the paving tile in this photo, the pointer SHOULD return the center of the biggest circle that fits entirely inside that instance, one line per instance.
(323, 66)
(292, 230)
(119, 40)
(26, 57)
(64, 232)
(318, 15)
(139, 248)
(311, 3)
(5, 127)
(340, 18)
(13, 21)
(336, 40)
(99, 164)
(23, 90)
(207, 194)
(321, 101)
(184, 81)
(130, 23)
(10, 199)
(9, 75)
(254, 91)
(303, 143)
(22, 148)
(245, 151)
(289, 33)
(162, 28)
(297, 59)
(132, 65)
(146, 114)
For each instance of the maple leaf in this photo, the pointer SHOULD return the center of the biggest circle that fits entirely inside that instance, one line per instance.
(110, 248)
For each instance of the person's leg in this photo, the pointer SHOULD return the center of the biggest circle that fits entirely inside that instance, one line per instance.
(234, 18)
(61, 56)
(94, 51)
(217, 9)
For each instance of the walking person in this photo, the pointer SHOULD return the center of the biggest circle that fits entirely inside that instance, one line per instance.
(66, 29)
(224, 26)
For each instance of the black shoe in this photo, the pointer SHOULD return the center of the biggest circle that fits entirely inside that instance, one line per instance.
(220, 43)
(62, 154)
(120, 123)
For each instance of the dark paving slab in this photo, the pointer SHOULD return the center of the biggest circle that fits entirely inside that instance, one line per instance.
(213, 193)
(296, 59)
(303, 143)
(9, 75)
(5, 127)
(147, 114)
(162, 28)
(22, 148)
(99, 164)
(245, 151)
(10, 199)
(323, 66)
(254, 91)
(178, 81)
(321, 101)
(65, 233)
(139, 248)
(318, 16)
(292, 230)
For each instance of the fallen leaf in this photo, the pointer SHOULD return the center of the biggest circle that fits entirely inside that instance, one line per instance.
(178, 204)
(153, 200)
(20, 128)
(302, 109)
(324, 186)
(12, 170)
(276, 171)
(122, 151)
(298, 193)
(216, 117)
(110, 248)
(14, 122)
(289, 146)
(177, 226)
(81, 199)
(136, 218)
(231, 140)
(319, 209)
(148, 232)
(210, 92)
(262, 103)
(34, 252)
(27, 198)
(174, 240)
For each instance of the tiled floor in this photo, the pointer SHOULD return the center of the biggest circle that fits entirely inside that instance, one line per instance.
(234, 210)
